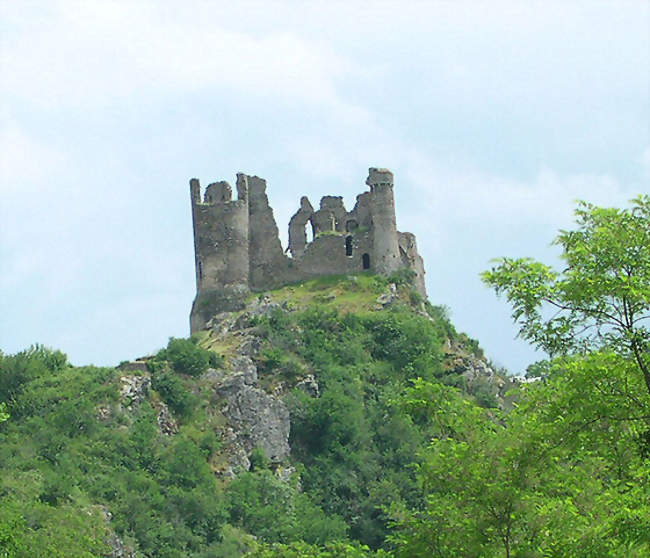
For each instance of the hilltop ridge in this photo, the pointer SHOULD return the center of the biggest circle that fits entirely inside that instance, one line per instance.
(291, 398)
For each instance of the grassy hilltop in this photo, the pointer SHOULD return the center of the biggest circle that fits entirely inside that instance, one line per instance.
(401, 442)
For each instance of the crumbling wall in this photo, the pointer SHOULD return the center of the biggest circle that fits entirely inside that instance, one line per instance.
(361, 211)
(334, 204)
(323, 222)
(411, 259)
(297, 224)
(269, 266)
(327, 255)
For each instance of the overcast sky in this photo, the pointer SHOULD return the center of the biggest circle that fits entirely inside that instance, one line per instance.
(493, 116)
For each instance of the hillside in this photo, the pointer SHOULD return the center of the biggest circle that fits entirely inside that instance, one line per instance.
(282, 423)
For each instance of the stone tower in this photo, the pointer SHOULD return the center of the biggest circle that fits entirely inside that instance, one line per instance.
(237, 247)
(221, 247)
(385, 245)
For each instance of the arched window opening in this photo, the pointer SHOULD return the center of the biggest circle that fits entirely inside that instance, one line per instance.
(366, 261)
(348, 245)
(351, 225)
(309, 232)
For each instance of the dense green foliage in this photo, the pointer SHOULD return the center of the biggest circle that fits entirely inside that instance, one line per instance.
(72, 446)
(354, 444)
(397, 455)
(561, 475)
(186, 357)
(601, 300)
(61, 463)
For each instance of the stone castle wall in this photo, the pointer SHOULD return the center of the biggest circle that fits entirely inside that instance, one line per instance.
(237, 245)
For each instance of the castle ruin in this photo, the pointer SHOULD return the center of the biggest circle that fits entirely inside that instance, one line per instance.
(237, 247)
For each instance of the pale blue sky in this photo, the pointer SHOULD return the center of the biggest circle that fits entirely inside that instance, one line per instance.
(494, 117)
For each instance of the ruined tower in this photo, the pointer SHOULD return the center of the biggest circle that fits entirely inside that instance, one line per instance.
(385, 246)
(221, 247)
(237, 246)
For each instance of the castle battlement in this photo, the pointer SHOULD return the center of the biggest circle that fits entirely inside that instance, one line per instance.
(237, 247)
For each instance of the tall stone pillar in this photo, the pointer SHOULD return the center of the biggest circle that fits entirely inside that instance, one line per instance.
(384, 229)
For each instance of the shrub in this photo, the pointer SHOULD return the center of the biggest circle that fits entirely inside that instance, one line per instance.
(275, 511)
(403, 276)
(173, 392)
(186, 357)
(279, 362)
(258, 460)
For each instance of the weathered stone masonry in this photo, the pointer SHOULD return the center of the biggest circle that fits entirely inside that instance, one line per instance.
(237, 246)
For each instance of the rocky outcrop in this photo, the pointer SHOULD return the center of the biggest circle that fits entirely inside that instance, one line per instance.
(117, 548)
(165, 420)
(479, 375)
(258, 419)
(244, 365)
(473, 368)
(309, 385)
(388, 298)
(134, 389)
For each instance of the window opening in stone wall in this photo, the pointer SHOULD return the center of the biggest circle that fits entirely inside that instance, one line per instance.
(351, 225)
(309, 232)
(200, 271)
(366, 261)
(348, 245)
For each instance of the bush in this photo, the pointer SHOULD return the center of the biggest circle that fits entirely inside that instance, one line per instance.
(278, 362)
(258, 460)
(275, 511)
(403, 276)
(173, 392)
(186, 357)
(411, 344)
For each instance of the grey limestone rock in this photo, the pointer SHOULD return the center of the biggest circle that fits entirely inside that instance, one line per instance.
(257, 309)
(260, 420)
(214, 375)
(134, 389)
(166, 422)
(250, 346)
(236, 455)
(220, 323)
(284, 474)
(104, 413)
(309, 385)
(117, 547)
(244, 365)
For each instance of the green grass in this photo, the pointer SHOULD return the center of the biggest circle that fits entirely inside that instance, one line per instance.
(345, 293)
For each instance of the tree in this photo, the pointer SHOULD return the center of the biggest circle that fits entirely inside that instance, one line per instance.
(544, 479)
(601, 300)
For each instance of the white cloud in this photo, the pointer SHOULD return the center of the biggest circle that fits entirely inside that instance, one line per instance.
(547, 198)
(86, 54)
